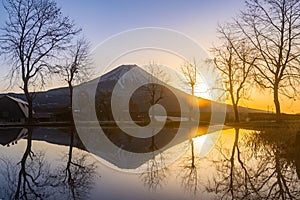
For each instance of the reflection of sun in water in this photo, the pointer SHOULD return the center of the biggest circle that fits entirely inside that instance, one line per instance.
(205, 143)
(199, 141)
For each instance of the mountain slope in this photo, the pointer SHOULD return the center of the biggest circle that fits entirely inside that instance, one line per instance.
(58, 99)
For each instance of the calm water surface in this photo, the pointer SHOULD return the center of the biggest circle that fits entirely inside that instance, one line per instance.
(52, 163)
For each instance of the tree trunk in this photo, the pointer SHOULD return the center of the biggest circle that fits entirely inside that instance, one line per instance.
(30, 111)
(236, 113)
(193, 90)
(191, 106)
(193, 153)
(234, 103)
(71, 95)
(71, 101)
(30, 104)
(277, 103)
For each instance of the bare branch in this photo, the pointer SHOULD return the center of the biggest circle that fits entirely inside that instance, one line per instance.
(34, 33)
(272, 28)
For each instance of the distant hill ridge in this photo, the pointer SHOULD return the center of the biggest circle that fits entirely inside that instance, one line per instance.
(59, 97)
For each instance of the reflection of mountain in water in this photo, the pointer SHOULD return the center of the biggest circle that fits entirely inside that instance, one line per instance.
(245, 165)
(57, 136)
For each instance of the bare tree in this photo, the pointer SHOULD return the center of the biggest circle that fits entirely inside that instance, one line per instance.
(189, 71)
(34, 33)
(234, 59)
(77, 67)
(272, 27)
(155, 90)
(157, 74)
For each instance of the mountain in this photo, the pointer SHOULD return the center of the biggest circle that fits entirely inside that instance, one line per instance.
(57, 100)
(144, 96)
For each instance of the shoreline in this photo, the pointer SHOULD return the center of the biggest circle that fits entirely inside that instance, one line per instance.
(171, 124)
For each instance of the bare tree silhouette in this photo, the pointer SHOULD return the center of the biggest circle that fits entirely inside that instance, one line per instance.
(235, 60)
(34, 33)
(189, 71)
(154, 89)
(77, 66)
(272, 29)
(190, 74)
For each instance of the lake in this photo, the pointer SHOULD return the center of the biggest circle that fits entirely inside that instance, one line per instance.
(52, 163)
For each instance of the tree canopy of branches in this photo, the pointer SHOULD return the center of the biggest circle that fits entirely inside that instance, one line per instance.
(272, 27)
(33, 35)
(156, 75)
(189, 71)
(235, 62)
(77, 66)
(155, 91)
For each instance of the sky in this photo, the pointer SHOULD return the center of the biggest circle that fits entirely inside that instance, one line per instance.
(197, 19)
(100, 19)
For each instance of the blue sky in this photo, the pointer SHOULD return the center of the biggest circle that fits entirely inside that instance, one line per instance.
(102, 19)
(197, 19)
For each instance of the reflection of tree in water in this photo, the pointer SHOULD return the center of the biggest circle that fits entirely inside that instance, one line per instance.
(261, 166)
(77, 178)
(153, 93)
(189, 172)
(30, 177)
(235, 179)
(275, 148)
(34, 178)
(29, 182)
(155, 172)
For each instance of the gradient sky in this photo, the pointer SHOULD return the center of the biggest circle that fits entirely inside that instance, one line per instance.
(102, 19)
(197, 19)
